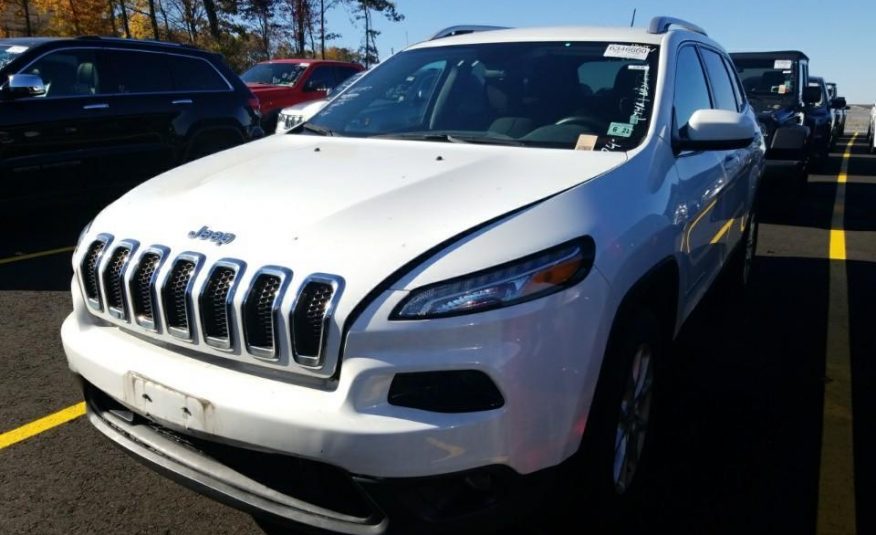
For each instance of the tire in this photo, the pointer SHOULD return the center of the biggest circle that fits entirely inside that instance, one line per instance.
(614, 450)
(738, 271)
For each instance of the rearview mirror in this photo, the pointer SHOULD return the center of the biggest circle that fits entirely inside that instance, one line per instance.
(811, 95)
(25, 85)
(717, 130)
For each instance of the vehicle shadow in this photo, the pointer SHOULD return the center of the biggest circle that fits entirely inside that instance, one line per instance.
(737, 448)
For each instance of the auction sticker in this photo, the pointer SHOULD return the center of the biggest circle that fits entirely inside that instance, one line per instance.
(620, 129)
(783, 64)
(17, 49)
(627, 51)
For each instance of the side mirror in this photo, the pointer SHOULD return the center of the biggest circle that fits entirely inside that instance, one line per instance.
(717, 130)
(838, 103)
(25, 85)
(811, 95)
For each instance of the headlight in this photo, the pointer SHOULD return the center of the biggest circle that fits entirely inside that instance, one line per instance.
(287, 122)
(514, 282)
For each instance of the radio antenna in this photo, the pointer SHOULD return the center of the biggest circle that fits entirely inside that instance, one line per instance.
(634, 18)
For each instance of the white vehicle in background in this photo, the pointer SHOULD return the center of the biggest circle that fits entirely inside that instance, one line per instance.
(292, 116)
(450, 289)
(871, 130)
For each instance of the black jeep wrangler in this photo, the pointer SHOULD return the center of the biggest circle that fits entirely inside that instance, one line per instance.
(797, 129)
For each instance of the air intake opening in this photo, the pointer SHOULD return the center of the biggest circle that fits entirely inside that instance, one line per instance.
(216, 306)
(142, 286)
(176, 300)
(112, 281)
(88, 270)
(259, 315)
(309, 321)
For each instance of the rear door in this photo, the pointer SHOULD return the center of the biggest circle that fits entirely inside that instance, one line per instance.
(144, 107)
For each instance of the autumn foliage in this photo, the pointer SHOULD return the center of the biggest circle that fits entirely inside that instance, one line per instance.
(245, 31)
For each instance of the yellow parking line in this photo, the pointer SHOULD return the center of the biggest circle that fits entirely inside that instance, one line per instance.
(43, 424)
(836, 480)
(50, 252)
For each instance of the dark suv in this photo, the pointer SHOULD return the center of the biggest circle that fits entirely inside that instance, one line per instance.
(797, 128)
(91, 116)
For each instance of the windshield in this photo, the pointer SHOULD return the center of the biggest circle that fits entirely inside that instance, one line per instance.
(9, 53)
(768, 79)
(273, 73)
(593, 96)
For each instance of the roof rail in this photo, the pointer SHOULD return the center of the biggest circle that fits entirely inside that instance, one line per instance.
(662, 24)
(463, 29)
(131, 40)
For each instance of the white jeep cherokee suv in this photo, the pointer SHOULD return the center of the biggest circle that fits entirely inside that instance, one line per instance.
(459, 277)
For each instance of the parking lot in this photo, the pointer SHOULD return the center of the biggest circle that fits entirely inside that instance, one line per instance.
(767, 426)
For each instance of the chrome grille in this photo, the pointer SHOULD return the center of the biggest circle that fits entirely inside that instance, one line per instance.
(309, 319)
(260, 311)
(143, 289)
(88, 272)
(151, 288)
(176, 302)
(215, 304)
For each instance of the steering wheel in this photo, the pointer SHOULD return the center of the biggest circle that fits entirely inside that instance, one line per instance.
(594, 125)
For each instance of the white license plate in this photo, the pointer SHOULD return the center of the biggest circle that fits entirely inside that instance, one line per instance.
(164, 403)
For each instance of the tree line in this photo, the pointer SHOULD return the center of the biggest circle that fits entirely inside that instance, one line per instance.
(245, 31)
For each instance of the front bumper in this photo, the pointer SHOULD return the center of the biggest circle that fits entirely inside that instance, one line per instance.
(543, 356)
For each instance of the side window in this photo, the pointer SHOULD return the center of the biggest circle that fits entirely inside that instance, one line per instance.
(194, 74)
(321, 78)
(68, 73)
(342, 73)
(691, 91)
(722, 87)
(734, 80)
(137, 72)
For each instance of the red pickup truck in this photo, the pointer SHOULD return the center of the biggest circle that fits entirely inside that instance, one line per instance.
(279, 83)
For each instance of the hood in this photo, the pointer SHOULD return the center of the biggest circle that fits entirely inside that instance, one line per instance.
(357, 208)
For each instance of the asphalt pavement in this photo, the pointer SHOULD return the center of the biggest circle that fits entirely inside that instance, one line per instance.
(744, 443)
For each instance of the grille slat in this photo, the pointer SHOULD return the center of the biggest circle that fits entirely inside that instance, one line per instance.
(142, 286)
(175, 299)
(113, 281)
(308, 321)
(90, 262)
(258, 315)
(215, 306)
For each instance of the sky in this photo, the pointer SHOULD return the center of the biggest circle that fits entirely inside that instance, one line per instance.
(839, 36)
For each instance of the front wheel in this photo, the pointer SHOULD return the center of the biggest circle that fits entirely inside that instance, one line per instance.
(615, 448)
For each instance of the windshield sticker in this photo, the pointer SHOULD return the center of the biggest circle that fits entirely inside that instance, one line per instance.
(627, 51)
(783, 64)
(642, 99)
(586, 142)
(620, 129)
(638, 67)
(610, 146)
(17, 49)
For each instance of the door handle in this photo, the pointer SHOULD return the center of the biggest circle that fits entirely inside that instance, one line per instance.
(95, 107)
(182, 101)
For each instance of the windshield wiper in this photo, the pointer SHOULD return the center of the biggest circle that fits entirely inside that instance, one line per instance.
(452, 138)
(319, 130)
